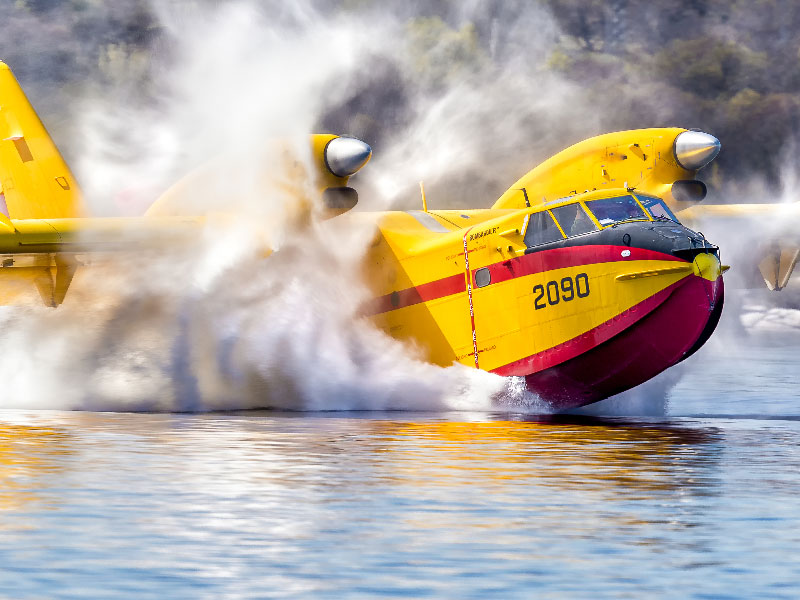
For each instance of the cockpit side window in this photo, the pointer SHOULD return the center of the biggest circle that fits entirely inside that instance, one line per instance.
(608, 211)
(541, 229)
(657, 207)
(573, 219)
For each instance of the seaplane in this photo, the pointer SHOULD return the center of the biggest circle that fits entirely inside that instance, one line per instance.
(580, 278)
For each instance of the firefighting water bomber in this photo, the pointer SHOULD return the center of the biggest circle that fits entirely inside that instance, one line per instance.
(579, 279)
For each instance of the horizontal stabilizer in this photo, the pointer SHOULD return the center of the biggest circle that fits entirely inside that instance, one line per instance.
(44, 255)
(103, 234)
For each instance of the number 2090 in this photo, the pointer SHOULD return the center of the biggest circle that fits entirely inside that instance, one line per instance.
(565, 290)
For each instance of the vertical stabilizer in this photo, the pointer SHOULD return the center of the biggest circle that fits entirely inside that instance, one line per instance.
(35, 182)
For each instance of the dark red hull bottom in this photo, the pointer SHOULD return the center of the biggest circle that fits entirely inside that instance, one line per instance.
(675, 328)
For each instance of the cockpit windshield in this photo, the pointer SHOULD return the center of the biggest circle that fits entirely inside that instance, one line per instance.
(573, 219)
(608, 211)
(657, 207)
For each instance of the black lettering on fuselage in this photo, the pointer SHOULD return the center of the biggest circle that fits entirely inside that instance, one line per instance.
(564, 290)
(480, 234)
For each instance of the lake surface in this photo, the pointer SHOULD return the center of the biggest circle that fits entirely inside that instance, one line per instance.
(702, 502)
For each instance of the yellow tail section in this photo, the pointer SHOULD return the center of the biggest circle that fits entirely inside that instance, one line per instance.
(35, 182)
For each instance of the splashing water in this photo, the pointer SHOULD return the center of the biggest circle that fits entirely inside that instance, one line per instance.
(228, 330)
(217, 327)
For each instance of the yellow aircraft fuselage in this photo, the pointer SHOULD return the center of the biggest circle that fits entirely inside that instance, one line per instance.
(579, 279)
(581, 317)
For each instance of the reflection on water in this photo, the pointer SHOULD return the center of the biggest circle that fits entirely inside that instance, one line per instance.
(569, 454)
(27, 456)
(388, 504)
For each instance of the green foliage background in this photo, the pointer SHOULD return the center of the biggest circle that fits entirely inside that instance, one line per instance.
(729, 67)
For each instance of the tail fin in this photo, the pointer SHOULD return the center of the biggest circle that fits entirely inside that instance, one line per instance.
(35, 182)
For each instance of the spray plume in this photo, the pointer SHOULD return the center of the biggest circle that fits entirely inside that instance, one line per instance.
(214, 326)
(474, 88)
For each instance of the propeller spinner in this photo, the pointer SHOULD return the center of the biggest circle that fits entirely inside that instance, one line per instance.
(344, 156)
(695, 149)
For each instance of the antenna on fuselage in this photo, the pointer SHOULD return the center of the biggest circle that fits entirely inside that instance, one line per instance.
(527, 201)
(424, 201)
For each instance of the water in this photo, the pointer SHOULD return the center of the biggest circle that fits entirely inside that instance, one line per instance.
(699, 503)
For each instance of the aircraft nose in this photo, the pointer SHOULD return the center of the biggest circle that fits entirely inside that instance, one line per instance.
(695, 149)
(345, 155)
(707, 266)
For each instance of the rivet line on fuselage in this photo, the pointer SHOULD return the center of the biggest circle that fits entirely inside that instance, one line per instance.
(469, 295)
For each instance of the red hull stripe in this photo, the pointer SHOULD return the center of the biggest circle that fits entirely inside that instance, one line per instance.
(455, 284)
(586, 341)
(528, 264)
(572, 256)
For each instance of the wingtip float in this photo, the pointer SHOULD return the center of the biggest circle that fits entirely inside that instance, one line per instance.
(579, 279)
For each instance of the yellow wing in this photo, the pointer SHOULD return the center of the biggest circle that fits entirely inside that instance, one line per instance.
(660, 162)
(44, 237)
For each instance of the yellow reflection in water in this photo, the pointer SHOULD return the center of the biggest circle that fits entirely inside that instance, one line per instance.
(578, 473)
(26, 454)
(563, 453)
